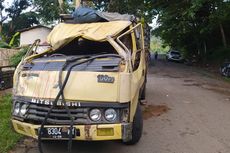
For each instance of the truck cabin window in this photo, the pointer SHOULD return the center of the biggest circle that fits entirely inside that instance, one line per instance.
(81, 46)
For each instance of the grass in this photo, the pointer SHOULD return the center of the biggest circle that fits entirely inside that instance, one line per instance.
(8, 138)
(227, 79)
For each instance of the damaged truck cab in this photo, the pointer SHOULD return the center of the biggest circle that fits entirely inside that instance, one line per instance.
(87, 86)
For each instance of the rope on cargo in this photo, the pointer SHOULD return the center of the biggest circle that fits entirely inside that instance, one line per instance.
(61, 94)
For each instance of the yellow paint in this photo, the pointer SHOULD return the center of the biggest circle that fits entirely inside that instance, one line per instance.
(105, 132)
(83, 85)
(31, 131)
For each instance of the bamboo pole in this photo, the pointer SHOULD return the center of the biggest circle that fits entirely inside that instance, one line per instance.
(77, 3)
(60, 3)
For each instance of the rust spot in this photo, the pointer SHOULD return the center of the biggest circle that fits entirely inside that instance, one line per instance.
(154, 111)
(87, 132)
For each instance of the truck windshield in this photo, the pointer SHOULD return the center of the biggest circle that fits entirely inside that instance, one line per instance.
(82, 46)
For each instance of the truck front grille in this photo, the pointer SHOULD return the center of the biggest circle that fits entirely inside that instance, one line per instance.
(37, 113)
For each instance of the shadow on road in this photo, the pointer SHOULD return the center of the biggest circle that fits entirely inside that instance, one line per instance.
(82, 147)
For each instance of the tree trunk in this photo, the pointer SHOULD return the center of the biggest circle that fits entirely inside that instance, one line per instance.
(223, 35)
(0, 31)
(204, 58)
(205, 48)
(0, 27)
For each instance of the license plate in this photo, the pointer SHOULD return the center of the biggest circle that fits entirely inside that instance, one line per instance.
(58, 132)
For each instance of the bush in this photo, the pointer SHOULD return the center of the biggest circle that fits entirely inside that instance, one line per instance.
(8, 138)
(4, 45)
(219, 55)
(157, 44)
(16, 59)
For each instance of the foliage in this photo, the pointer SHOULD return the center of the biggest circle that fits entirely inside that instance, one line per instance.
(2, 8)
(16, 59)
(4, 45)
(13, 40)
(196, 27)
(25, 20)
(8, 138)
(157, 45)
(18, 18)
(49, 10)
(140, 8)
(219, 55)
(17, 7)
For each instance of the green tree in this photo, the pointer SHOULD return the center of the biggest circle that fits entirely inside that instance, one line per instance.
(24, 20)
(140, 8)
(18, 18)
(2, 17)
(193, 26)
(50, 10)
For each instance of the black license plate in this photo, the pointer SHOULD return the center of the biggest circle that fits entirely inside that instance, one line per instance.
(58, 132)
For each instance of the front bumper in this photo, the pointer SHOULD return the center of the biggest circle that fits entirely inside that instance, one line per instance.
(122, 131)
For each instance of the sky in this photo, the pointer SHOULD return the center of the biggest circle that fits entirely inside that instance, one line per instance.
(8, 2)
(154, 24)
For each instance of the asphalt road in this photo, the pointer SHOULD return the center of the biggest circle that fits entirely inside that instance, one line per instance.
(188, 112)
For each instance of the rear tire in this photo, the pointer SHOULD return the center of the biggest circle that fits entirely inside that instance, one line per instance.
(137, 127)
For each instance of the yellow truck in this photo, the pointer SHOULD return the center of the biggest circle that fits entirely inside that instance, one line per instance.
(87, 86)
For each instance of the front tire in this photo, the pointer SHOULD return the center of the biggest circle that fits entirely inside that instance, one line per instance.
(137, 127)
(143, 91)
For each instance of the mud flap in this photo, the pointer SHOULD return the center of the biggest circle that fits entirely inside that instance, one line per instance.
(127, 132)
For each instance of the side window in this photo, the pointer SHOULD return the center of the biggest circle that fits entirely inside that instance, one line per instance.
(138, 38)
(133, 41)
(127, 40)
(139, 45)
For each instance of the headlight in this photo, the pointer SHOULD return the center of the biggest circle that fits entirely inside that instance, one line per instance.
(23, 109)
(17, 108)
(110, 115)
(95, 114)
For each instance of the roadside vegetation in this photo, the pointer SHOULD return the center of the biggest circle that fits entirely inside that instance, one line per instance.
(157, 45)
(227, 79)
(16, 58)
(199, 28)
(8, 138)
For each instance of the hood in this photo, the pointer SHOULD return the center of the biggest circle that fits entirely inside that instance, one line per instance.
(99, 80)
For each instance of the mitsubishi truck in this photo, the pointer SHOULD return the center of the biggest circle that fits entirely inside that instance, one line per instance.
(87, 86)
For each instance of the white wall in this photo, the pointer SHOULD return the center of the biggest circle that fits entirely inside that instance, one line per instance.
(28, 37)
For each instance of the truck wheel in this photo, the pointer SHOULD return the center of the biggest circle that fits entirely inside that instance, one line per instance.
(137, 127)
(143, 92)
